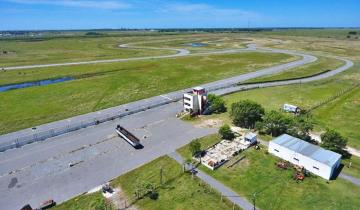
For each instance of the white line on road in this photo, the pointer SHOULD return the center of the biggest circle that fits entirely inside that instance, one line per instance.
(166, 97)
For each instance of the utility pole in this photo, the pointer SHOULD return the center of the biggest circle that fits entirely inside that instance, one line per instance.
(254, 199)
(161, 175)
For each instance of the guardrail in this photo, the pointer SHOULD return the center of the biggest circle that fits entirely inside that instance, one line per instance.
(73, 126)
(118, 112)
(38, 136)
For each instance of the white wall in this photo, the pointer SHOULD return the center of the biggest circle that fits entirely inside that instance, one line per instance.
(323, 170)
(193, 102)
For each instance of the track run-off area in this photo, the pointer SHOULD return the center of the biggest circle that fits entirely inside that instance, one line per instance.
(38, 171)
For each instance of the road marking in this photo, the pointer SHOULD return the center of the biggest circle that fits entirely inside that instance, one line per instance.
(61, 155)
(166, 97)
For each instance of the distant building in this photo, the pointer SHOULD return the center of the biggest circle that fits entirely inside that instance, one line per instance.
(195, 102)
(291, 108)
(313, 158)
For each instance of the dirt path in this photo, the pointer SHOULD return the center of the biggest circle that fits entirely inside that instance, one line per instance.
(118, 199)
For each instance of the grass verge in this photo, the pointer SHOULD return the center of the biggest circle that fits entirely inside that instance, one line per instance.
(93, 201)
(275, 189)
(322, 65)
(129, 82)
(179, 190)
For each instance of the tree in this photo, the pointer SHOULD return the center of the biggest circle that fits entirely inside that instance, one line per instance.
(275, 123)
(195, 147)
(332, 140)
(226, 132)
(301, 127)
(246, 113)
(216, 104)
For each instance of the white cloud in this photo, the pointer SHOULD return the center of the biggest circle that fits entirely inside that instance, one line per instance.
(207, 12)
(205, 9)
(112, 5)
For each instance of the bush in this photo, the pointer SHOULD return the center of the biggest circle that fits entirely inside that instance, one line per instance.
(302, 125)
(246, 113)
(226, 132)
(332, 140)
(352, 32)
(154, 195)
(276, 123)
(195, 147)
(216, 104)
(94, 34)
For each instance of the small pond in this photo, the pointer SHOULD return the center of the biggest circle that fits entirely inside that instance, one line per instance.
(4, 88)
(197, 44)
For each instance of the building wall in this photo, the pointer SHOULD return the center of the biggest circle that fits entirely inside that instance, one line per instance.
(309, 164)
(191, 102)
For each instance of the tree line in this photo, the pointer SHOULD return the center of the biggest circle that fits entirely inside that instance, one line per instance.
(249, 114)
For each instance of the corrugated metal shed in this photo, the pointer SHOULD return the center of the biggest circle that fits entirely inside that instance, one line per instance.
(312, 151)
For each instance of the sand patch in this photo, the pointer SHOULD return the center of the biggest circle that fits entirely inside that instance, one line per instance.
(209, 123)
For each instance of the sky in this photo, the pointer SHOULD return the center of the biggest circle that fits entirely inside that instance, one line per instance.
(91, 14)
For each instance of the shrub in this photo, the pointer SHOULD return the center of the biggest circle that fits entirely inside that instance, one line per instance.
(226, 132)
(332, 140)
(246, 113)
(154, 195)
(195, 147)
(276, 123)
(216, 104)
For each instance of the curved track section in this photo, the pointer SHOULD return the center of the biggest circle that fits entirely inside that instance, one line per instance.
(179, 53)
(225, 86)
(40, 171)
(348, 64)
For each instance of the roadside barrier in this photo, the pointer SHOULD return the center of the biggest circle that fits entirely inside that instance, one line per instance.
(222, 87)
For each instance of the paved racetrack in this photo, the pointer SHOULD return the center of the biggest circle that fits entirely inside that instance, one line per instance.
(40, 171)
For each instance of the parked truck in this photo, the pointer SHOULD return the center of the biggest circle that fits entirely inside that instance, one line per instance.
(129, 137)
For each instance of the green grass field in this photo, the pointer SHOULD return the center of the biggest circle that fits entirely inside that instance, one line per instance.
(323, 33)
(341, 114)
(354, 169)
(210, 41)
(206, 142)
(179, 191)
(107, 85)
(275, 189)
(33, 51)
(94, 201)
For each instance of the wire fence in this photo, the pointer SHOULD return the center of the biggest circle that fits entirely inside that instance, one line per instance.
(157, 101)
(221, 87)
(332, 98)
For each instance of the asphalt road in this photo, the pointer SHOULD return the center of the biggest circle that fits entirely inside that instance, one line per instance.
(225, 191)
(11, 140)
(179, 53)
(348, 64)
(40, 171)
